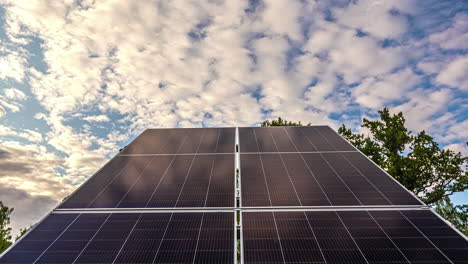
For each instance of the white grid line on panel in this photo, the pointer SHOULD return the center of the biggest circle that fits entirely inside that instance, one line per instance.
(176, 154)
(198, 238)
(165, 172)
(315, 237)
(136, 181)
(426, 237)
(126, 239)
(91, 239)
(113, 179)
(349, 233)
(293, 152)
(286, 169)
(308, 168)
(57, 238)
(307, 165)
(386, 173)
(162, 238)
(331, 167)
(188, 172)
(268, 190)
(396, 246)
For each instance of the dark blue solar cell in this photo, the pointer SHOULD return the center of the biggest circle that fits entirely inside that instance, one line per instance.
(139, 256)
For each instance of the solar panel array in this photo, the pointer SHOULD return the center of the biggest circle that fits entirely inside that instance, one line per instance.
(304, 195)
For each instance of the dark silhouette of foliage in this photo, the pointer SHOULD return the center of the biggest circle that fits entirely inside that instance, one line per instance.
(5, 230)
(456, 214)
(22, 232)
(281, 122)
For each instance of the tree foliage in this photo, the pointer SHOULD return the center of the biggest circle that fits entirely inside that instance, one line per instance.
(22, 232)
(5, 230)
(281, 122)
(456, 214)
(416, 161)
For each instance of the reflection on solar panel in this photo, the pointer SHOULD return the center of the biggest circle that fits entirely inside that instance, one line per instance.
(302, 195)
(291, 139)
(311, 166)
(160, 181)
(416, 236)
(128, 238)
(183, 141)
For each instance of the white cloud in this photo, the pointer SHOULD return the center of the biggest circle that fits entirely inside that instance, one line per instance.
(420, 111)
(454, 37)
(374, 92)
(9, 105)
(97, 118)
(31, 168)
(27, 134)
(14, 94)
(28, 209)
(455, 74)
(289, 23)
(12, 66)
(374, 17)
(460, 147)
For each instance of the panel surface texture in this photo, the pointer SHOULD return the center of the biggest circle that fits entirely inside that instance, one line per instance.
(128, 238)
(416, 236)
(159, 181)
(183, 141)
(311, 166)
(291, 139)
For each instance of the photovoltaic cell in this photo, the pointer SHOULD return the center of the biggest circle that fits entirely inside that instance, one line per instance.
(128, 238)
(416, 236)
(183, 141)
(160, 181)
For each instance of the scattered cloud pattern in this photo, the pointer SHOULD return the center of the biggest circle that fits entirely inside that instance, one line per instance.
(80, 78)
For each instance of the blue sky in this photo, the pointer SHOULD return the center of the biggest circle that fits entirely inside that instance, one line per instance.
(80, 79)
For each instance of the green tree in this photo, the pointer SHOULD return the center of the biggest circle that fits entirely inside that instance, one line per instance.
(22, 232)
(280, 122)
(5, 230)
(456, 214)
(416, 161)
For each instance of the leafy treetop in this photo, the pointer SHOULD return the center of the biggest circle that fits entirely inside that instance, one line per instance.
(281, 122)
(456, 214)
(416, 161)
(5, 230)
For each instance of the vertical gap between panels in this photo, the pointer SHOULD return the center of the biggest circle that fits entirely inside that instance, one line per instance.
(238, 216)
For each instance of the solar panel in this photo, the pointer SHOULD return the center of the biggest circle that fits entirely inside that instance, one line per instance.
(128, 238)
(183, 141)
(311, 166)
(391, 236)
(160, 181)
